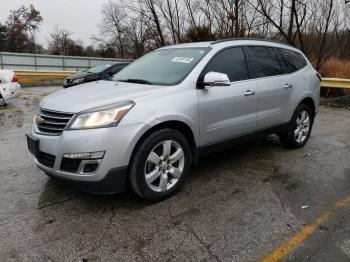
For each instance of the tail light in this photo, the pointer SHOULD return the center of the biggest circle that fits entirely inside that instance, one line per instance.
(14, 79)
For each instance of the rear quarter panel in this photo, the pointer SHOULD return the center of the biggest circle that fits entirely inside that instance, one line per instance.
(306, 84)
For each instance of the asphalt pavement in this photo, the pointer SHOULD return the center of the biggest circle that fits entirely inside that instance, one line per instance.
(252, 202)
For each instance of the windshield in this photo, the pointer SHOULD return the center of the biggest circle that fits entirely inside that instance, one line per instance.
(98, 68)
(162, 67)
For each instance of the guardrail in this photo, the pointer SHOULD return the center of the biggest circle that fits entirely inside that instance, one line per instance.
(33, 77)
(335, 83)
(29, 77)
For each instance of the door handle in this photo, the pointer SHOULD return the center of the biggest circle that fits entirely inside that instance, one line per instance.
(287, 86)
(249, 93)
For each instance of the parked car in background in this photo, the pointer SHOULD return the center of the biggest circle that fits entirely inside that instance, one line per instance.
(9, 85)
(99, 72)
(166, 109)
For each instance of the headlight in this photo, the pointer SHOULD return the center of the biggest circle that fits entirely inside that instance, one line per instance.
(78, 80)
(102, 116)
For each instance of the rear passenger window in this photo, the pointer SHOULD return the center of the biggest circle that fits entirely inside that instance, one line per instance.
(293, 61)
(263, 61)
(231, 62)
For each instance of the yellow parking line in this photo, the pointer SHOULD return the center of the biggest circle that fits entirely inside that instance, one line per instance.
(286, 247)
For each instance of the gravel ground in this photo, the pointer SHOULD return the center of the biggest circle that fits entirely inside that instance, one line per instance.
(337, 102)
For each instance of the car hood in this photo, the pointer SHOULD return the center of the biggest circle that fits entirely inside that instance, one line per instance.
(95, 94)
(78, 75)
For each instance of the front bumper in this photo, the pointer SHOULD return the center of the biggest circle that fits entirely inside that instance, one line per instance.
(113, 182)
(10, 90)
(117, 142)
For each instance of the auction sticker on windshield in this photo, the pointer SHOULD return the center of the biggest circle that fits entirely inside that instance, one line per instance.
(185, 60)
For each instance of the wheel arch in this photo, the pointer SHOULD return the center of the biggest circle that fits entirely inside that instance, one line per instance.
(306, 99)
(309, 101)
(177, 125)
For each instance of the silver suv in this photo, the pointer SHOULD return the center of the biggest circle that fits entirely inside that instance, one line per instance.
(161, 113)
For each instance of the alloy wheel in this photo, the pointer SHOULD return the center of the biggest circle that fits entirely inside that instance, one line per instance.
(164, 166)
(302, 127)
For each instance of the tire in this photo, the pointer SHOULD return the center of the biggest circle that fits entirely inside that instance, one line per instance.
(299, 128)
(164, 158)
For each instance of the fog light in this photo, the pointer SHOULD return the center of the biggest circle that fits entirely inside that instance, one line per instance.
(91, 155)
(90, 167)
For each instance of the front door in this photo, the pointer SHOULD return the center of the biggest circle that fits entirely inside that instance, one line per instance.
(228, 111)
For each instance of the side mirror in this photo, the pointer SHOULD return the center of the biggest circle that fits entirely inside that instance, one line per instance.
(216, 79)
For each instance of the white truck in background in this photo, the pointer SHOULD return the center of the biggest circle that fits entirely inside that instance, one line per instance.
(9, 86)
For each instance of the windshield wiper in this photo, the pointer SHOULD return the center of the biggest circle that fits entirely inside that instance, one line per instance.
(137, 81)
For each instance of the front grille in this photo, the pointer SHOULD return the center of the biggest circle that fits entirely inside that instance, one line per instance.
(46, 159)
(70, 164)
(53, 122)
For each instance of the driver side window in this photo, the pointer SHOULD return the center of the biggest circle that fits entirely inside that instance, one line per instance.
(230, 61)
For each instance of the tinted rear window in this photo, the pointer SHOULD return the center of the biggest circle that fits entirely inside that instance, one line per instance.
(231, 62)
(263, 61)
(293, 61)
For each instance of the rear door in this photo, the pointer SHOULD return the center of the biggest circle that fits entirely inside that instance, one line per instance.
(297, 78)
(227, 111)
(273, 88)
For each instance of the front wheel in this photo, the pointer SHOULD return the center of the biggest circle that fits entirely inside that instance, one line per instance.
(299, 128)
(160, 165)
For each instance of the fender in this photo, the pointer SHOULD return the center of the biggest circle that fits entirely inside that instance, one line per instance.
(176, 117)
(303, 96)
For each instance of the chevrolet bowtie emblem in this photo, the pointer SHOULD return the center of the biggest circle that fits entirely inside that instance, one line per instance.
(39, 120)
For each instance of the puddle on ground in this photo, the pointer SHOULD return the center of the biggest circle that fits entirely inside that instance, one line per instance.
(12, 118)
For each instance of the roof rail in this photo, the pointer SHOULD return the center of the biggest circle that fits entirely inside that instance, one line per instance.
(251, 39)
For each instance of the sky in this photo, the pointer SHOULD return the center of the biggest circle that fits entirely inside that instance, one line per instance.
(80, 17)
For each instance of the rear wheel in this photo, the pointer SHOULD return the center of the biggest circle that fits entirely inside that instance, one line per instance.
(299, 128)
(160, 165)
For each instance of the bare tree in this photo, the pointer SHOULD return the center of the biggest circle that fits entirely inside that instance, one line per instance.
(316, 27)
(170, 12)
(59, 42)
(139, 37)
(150, 7)
(114, 25)
(327, 12)
(20, 27)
